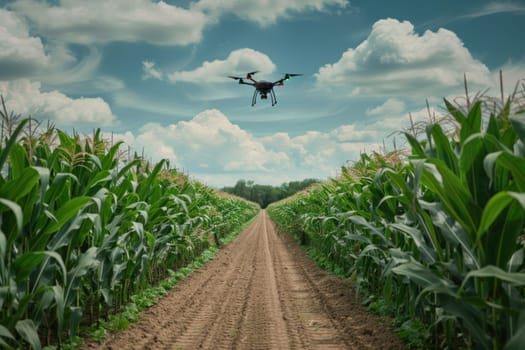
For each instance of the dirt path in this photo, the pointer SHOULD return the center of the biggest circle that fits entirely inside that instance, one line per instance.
(260, 292)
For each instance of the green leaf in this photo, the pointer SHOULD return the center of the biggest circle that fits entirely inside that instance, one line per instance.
(428, 255)
(516, 165)
(58, 186)
(456, 198)
(517, 340)
(473, 319)
(518, 123)
(17, 211)
(4, 333)
(419, 274)
(146, 184)
(495, 206)
(25, 263)
(27, 330)
(490, 271)
(58, 294)
(58, 259)
(87, 261)
(443, 148)
(3, 247)
(66, 212)
(516, 260)
(471, 125)
(455, 112)
(74, 321)
(4, 154)
(417, 149)
(17, 160)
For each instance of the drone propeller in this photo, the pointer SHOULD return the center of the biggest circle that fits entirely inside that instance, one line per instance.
(236, 78)
(249, 75)
(289, 75)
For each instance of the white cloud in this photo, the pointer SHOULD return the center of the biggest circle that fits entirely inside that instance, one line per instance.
(101, 21)
(264, 12)
(210, 144)
(26, 98)
(396, 61)
(492, 8)
(238, 61)
(390, 106)
(20, 53)
(23, 56)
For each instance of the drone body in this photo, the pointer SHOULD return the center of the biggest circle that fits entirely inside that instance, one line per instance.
(263, 88)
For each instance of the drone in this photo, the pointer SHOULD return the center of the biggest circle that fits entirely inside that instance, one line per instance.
(263, 88)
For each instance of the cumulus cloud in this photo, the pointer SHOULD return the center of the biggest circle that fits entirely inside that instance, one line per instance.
(26, 98)
(101, 21)
(238, 61)
(395, 60)
(390, 106)
(20, 53)
(211, 144)
(24, 56)
(265, 12)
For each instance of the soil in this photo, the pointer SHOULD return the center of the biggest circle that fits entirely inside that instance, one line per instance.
(260, 292)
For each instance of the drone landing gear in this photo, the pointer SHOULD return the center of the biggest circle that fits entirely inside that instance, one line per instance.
(264, 96)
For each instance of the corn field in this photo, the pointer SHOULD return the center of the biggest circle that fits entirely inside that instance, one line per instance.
(435, 235)
(81, 231)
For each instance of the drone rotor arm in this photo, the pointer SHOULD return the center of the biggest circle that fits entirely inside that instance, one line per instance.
(246, 83)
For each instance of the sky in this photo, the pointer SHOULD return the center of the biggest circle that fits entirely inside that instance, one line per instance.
(154, 74)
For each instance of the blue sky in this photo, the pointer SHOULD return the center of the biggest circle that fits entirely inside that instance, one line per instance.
(155, 74)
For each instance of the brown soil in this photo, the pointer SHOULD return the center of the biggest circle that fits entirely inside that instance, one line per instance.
(260, 292)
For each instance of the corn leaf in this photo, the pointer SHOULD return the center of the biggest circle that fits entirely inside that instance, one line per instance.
(4, 333)
(495, 206)
(16, 210)
(419, 274)
(490, 271)
(455, 112)
(517, 340)
(518, 123)
(21, 186)
(27, 330)
(67, 212)
(471, 125)
(4, 153)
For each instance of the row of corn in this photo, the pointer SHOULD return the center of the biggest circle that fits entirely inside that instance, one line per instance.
(437, 235)
(82, 230)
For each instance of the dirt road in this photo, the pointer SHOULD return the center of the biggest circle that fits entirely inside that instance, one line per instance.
(260, 292)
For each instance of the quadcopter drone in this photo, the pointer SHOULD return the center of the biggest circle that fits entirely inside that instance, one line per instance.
(263, 88)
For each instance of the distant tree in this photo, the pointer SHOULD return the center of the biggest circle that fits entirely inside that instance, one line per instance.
(266, 194)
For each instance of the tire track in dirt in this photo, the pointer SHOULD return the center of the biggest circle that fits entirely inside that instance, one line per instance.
(260, 292)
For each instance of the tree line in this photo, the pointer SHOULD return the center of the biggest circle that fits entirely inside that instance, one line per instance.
(266, 194)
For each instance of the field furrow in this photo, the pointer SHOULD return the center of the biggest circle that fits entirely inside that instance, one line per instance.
(260, 292)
